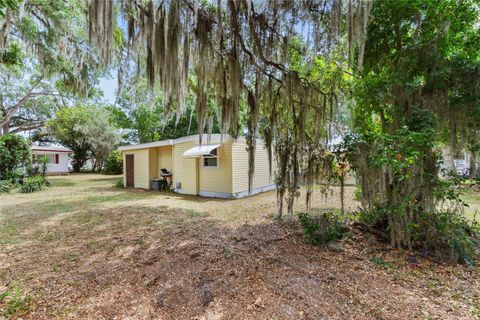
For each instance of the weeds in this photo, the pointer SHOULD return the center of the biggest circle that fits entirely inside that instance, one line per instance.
(382, 263)
(323, 228)
(119, 184)
(14, 303)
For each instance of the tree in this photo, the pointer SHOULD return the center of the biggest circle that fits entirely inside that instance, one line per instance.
(15, 153)
(419, 81)
(86, 130)
(67, 128)
(45, 61)
(245, 53)
(114, 163)
(102, 136)
(26, 99)
(143, 113)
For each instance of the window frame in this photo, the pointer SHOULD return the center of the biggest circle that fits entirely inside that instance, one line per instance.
(50, 156)
(217, 156)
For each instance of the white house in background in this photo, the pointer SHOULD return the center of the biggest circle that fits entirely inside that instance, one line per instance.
(58, 160)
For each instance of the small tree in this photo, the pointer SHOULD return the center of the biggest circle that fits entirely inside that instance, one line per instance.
(15, 153)
(66, 127)
(114, 163)
(102, 136)
(86, 130)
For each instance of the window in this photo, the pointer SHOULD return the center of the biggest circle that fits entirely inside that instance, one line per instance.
(211, 160)
(37, 158)
(57, 158)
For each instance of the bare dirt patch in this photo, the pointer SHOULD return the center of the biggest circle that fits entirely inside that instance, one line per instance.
(104, 253)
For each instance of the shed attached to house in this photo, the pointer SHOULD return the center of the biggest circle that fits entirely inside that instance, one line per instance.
(217, 168)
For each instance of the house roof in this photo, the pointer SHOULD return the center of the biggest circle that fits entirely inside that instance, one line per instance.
(51, 149)
(207, 139)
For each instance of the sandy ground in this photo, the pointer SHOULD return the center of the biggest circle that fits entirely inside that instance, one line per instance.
(86, 250)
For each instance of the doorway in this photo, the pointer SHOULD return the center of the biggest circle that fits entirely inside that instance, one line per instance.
(129, 168)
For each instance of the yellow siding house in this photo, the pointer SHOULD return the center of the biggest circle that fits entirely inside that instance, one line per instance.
(217, 168)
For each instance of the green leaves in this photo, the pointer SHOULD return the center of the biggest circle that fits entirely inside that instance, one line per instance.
(15, 152)
(7, 4)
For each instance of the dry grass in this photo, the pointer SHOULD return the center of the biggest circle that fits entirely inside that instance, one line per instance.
(85, 250)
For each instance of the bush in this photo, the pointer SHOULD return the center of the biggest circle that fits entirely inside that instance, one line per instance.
(114, 163)
(452, 237)
(7, 186)
(119, 184)
(33, 184)
(15, 153)
(323, 228)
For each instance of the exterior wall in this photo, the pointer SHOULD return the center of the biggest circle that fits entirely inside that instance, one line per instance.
(177, 162)
(140, 168)
(229, 180)
(211, 180)
(165, 158)
(190, 182)
(61, 166)
(218, 179)
(261, 177)
(152, 164)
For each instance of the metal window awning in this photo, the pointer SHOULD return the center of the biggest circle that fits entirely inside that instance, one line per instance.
(199, 151)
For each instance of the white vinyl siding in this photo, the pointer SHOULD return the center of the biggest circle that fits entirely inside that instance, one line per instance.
(261, 176)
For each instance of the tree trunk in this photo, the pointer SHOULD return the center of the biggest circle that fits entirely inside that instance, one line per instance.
(473, 164)
(5, 129)
(397, 198)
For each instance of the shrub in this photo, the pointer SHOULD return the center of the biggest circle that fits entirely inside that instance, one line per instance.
(119, 184)
(114, 163)
(7, 186)
(452, 237)
(323, 228)
(33, 184)
(14, 176)
(15, 153)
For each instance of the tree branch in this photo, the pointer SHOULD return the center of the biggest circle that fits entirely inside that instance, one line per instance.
(20, 103)
(28, 127)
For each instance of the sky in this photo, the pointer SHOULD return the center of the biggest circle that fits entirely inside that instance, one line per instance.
(109, 87)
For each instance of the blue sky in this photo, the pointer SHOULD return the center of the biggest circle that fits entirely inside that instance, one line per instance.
(109, 88)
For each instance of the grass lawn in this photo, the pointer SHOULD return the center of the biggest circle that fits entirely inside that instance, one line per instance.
(84, 249)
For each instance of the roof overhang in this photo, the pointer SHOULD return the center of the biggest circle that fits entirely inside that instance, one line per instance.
(204, 150)
(37, 149)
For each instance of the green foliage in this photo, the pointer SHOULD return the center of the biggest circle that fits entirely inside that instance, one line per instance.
(119, 184)
(12, 55)
(66, 127)
(451, 236)
(15, 153)
(357, 193)
(7, 4)
(7, 186)
(14, 303)
(114, 163)
(33, 184)
(87, 130)
(382, 263)
(415, 91)
(323, 228)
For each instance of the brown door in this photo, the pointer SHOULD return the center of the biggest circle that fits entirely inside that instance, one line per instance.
(129, 160)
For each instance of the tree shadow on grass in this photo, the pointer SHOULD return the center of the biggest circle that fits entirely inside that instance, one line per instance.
(160, 262)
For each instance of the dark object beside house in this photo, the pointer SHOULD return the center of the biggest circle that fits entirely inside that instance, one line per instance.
(156, 184)
(167, 178)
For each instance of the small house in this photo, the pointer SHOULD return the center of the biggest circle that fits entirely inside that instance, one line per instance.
(57, 158)
(216, 168)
